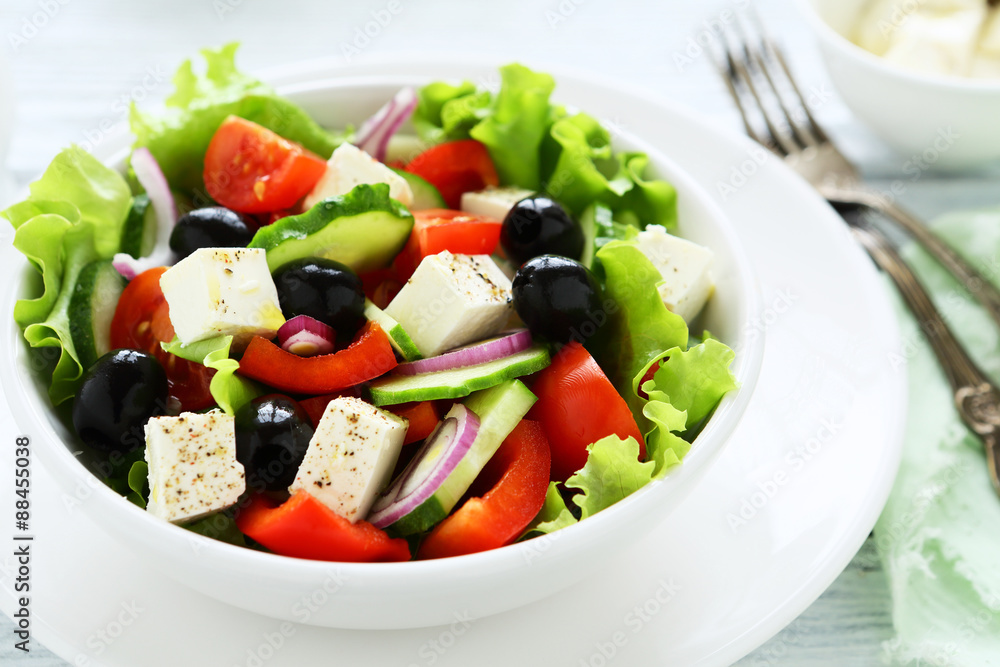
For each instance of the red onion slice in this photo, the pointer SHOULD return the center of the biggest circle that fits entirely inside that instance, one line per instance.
(152, 180)
(482, 352)
(430, 467)
(374, 134)
(306, 336)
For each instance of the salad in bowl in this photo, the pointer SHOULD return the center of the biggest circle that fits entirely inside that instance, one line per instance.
(461, 324)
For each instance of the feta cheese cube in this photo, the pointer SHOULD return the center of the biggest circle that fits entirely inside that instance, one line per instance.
(350, 456)
(452, 300)
(221, 292)
(349, 166)
(686, 268)
(493, 202)
(193, 469)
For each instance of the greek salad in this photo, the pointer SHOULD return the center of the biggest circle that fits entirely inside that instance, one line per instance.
(460, 324)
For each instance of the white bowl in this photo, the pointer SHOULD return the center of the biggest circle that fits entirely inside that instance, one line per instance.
(938, 122)
(413, 594)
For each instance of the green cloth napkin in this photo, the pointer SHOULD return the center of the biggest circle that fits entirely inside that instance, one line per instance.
(939, 535)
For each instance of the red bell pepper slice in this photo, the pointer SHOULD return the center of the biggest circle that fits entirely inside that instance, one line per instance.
(423, 418)
(521, 466)
(438, 229)
(455, 167)
(369, 356)
(303, 527)
(577, 405)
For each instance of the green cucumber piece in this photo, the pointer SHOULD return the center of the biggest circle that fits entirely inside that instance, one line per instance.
(364, 229)
(398, 338)
(139, 230)
(425, 195)
(500, 409)
(458, 382)
(91, 308)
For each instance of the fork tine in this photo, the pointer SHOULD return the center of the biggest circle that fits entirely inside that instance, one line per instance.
(746, 71)
(811, 132)
(724, 65)
(757, 55)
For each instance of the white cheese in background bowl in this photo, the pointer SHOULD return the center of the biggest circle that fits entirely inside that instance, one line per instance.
(422, 593)
(926, 80)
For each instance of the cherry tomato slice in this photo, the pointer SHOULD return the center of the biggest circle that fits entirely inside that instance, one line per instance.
(454, 168)
(141, 322)
(577, 405)
(438, 229)
(250, 169)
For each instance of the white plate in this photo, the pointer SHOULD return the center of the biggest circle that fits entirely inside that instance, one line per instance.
(789, 503)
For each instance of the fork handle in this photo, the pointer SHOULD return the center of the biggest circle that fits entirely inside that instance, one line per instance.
(960, 369)
(974, 395)
(978, 285)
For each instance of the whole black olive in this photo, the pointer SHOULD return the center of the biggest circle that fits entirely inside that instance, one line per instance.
(119, 394)
(272, 435)
(539, 226)
(213, 227)
(323, 289)
(559, 299)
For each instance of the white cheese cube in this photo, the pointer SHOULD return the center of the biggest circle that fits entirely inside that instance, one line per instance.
(222, 292)
(493, 202)
(351, 456)
(686, 269)
(452, 300)
(349, 166)
(193, 469)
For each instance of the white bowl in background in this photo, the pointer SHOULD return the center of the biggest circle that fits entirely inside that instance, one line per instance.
(949, 123)
(412, 594)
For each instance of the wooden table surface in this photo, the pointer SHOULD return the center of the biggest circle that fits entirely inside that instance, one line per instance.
(77, 63)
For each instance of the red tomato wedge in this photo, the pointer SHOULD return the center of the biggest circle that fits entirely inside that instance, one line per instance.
(439, 229)
(577, 405)
(521, 468)
(303, 527)
(454, 168)
(250, 169)
(141, 322)
(369, 356)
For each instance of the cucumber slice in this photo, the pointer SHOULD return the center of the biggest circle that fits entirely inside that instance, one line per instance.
(139, 230)
(398, 338)
(458, 382)
(364, 229)
(425, 195)
(500, 409)
(91, 308)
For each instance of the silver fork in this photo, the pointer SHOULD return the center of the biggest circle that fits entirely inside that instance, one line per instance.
(750, 68)
(756, 72)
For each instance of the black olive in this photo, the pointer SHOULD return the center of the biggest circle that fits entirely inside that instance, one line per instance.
(214, 227)
(539, 226)
(559, 299)
(119, 394)
(272, 435)
(324, 290)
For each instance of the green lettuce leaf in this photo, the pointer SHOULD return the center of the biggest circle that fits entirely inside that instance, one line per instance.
(579, 169)
(81, 189)
(73, 216)
(229, 390)
(431, 100)
(138, 483)
(694, 380)
(612, 472)
(663, 446)
(640, 328)
(599, 229)
(517, 124)
(553, 516)
(221, 526)
(179, 136)
(77, 247)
